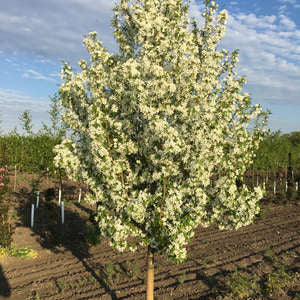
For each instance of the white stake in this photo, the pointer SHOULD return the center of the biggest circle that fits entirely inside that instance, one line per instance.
(59, 197)
(264, 185)
(79, 197)
(286, 186)
(32, 214)
(296, 185)
(37, 199)
(62, 213)
(274, 187)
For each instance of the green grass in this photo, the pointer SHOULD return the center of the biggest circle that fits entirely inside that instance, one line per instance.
(181, 278)
(275, 284)
(92, 234)
(263, 213)
(269, 255)
(243, 286)
(132, 269)
(278, 281)
(112, 272)
(34, 296)
(61, 285)
(18, 252)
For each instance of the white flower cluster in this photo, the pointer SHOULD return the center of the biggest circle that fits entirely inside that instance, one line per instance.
(156, 124)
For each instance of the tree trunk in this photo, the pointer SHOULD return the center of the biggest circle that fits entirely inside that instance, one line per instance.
(150, 275)
(15, 183)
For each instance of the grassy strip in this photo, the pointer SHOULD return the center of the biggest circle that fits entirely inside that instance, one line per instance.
(18, 252)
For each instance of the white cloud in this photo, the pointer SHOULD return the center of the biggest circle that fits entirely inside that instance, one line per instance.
(288, 1)
(13, 98)
(55, 75)
(12, 105)
(36, 75)
(269, 55)
(54, 29)
(251, 20)
(282, 9)
(287, 23)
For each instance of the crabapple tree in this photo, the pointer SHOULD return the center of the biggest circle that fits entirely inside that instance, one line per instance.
(162, 130)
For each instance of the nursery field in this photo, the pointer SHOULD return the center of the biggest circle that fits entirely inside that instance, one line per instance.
(259, 261)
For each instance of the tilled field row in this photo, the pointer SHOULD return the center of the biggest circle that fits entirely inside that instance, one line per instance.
(213, 252)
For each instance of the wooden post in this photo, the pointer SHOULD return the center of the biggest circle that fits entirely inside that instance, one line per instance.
(150, 275)
(289, 178)
(290, 172)
(62, 213)
(15, 183)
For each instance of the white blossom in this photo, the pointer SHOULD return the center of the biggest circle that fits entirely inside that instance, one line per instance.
(154, 127)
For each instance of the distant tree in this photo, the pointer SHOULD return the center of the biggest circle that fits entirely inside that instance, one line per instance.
(26, 122)
(58, 127)
(273, 152)
(294, 137)
(1, 128)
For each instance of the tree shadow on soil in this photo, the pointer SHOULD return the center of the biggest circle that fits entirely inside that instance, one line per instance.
(5, 290)
(56, 236)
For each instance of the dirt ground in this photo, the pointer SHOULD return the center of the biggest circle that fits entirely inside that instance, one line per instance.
(69, 267)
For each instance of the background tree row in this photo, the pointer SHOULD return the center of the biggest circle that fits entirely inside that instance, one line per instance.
(272, 154)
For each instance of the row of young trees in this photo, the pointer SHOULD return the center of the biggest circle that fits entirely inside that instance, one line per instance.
(33, 151)
(272, 154)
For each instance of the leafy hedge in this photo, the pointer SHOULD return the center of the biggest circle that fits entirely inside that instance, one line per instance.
(6, 230)
(32, 153)
(272, 154)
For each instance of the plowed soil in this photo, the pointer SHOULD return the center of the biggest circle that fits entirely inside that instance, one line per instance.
(69, 267)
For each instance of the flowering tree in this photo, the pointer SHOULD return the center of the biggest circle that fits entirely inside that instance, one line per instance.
(162, 130)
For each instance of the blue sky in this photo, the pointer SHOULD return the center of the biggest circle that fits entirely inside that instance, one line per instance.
(37, 35)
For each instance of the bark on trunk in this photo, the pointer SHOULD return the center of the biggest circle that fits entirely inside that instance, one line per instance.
(150, 275)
